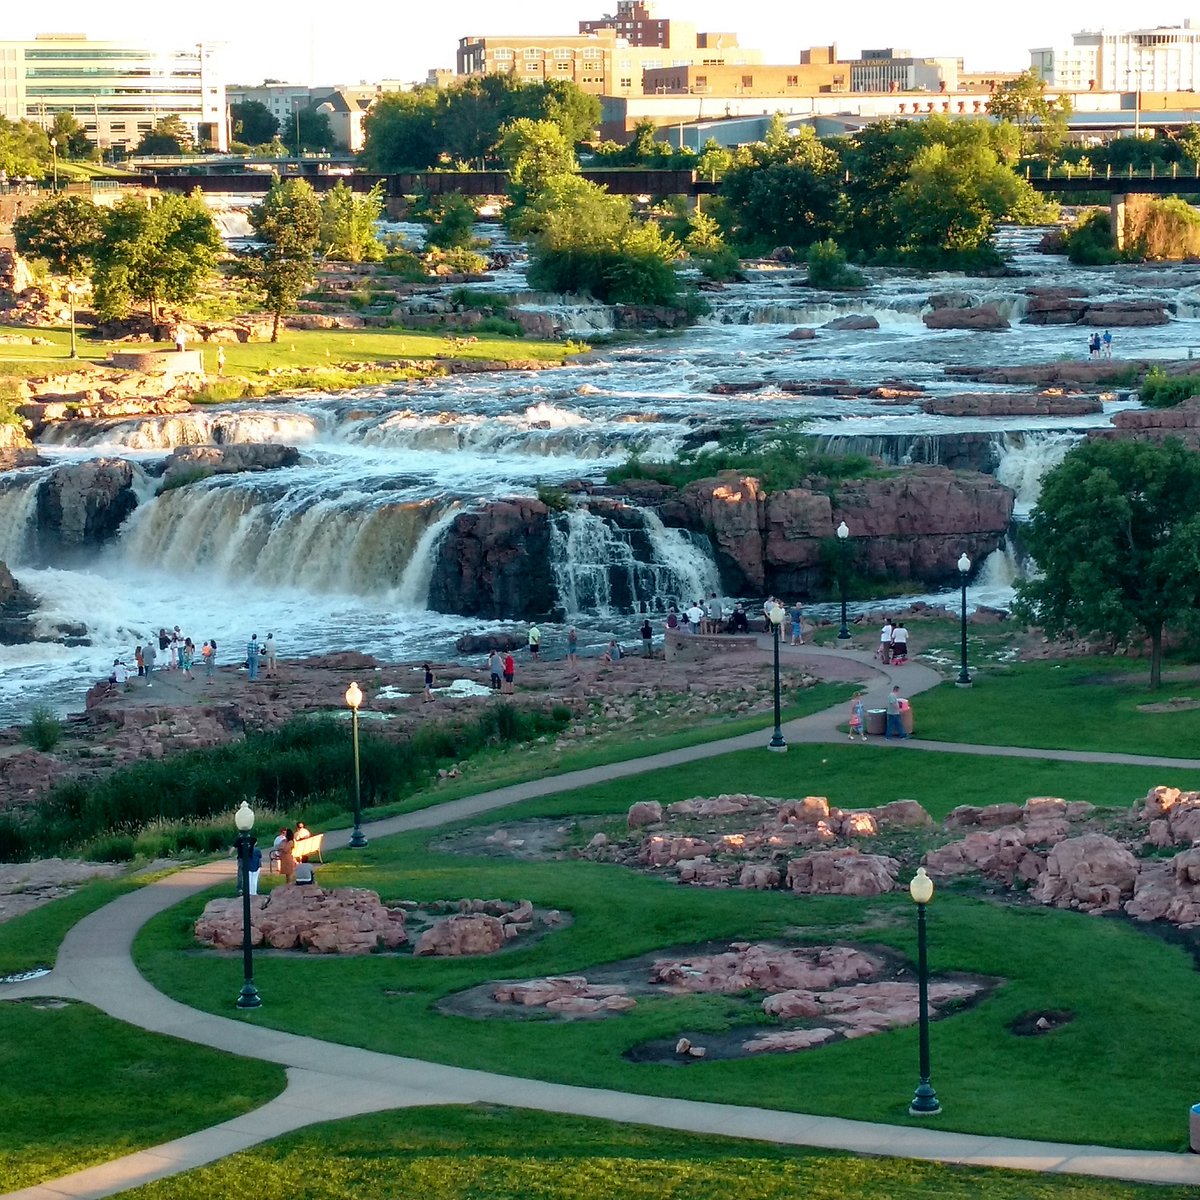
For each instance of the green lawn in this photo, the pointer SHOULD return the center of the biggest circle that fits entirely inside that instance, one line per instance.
(1081, 704)
(1076, 1084)
(509, 1154)
(84, 1088)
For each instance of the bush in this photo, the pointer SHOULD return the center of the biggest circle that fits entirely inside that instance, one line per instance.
(554, 498)
(406, 265)
(44, 730)
(720, 265)
(452, 224)
(501, 326)
(1090, 241)
(116, 848)
(457, 262)
(827, 267)
(1160, 390)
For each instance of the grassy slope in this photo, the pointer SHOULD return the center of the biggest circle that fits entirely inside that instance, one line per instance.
(1075, 1084)
(508, 1154)
(1084, 704)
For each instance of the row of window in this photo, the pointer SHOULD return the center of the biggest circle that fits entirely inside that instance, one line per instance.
(107, 73)
(167, 89)
(92, 55)
(505, 54)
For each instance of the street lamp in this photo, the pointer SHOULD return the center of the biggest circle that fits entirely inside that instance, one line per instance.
(843, 532)
(72, 293)
(54, 160)
(354, 698)
(244, 820)
(964, 567)
(925, 1101)
(775, 615)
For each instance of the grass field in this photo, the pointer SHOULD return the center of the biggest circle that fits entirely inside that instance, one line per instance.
(1081, 704)
(509, 1154)
(1074, 1085)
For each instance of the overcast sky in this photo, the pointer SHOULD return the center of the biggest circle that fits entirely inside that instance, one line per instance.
(308, 42)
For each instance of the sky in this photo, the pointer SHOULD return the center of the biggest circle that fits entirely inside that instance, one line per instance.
(303, 41)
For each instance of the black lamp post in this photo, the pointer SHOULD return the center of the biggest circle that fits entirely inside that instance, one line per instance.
(72, 295)
(964, 568)
(925, 1102)
(54, 159)
(354, 698)
(775, 613)
(843, 533)
(244, 820)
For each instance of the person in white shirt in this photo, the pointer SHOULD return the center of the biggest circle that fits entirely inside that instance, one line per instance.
(884, 653)
(696, 617)
(899, 643)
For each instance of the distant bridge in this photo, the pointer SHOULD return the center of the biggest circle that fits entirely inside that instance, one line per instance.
(1144, 183)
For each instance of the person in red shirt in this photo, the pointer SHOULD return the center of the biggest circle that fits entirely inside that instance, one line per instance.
(510, 669)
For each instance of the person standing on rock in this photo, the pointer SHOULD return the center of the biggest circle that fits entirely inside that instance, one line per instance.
(186, 656)
(271, 663)
(252, 655)
(510, 671)
(647, 639)
(141, 662)
(1106, 340)
(150, 657)
(535, 642)
(428, 683)
(572, 646)
(180, 339)
(495, 669)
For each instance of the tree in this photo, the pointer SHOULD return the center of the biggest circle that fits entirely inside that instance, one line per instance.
(73, 141)
(154, 253)
(453, 223)
(400, 133)
(313, 129)
(534, 152)
(348, 221)
(169, 136)
(1040, 121)
(253, 123)
(24, 148)
(1116, 537)
(288, 222)
(65, 231)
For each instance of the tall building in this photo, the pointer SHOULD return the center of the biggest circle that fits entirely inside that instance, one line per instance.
(892, 70)
(1165, 58)
(638, 24)
(281, 100)
(115, 90)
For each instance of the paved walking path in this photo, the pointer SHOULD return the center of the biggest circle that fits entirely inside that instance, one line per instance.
(94, 965)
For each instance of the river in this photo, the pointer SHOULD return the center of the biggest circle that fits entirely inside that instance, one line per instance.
(337, 552)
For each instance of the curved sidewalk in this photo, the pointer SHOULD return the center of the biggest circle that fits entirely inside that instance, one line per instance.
(94, 965)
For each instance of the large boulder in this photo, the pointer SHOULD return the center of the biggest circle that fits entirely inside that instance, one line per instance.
(1010, 404)
(842, 872)
(494, 562)
(986, 317)
(472, 933)
(1182, 422)
(16, 609)
(83, 504)
(1091, 872)
(196, 462)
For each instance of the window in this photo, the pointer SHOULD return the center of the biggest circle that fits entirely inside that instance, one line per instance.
(502, 54)
(627, 83)
(793, 81)
(563, 52)
(563, 66)
(532, 52)
(652, 64)
(115, 127)
(145, 126)
(626, 64)
(701, 81)
(533, 66)
(592, 52)
(747, 81)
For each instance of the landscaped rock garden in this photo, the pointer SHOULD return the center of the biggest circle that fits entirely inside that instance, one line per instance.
(355, 921)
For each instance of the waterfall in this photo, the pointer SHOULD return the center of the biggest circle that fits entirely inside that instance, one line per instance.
(768, 311)
(617, 562)
(18, 515)
(412, 593)
(284, 536)
(189, 429)
(1000, 570)
(978, 451)
(1024, 460)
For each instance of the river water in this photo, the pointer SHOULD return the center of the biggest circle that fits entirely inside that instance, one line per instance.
(337, 553)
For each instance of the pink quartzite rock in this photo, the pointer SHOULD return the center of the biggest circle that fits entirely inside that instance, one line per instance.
(340, 921)
(788, 1040)
(1092, 872)
(473, 934)
(766, 968)
(843, 872)
(644, 812)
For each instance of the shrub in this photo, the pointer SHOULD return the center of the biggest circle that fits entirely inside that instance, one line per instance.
(720, 265)
(500, 326)
(406, 265)
(114, 848)
(44, 730)
(554, 498)
(183, 478)
(827, 267)
(1160, 390)
(452, 225)
(1090, 241)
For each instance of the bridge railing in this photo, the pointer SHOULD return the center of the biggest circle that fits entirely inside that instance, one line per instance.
(1071, 172)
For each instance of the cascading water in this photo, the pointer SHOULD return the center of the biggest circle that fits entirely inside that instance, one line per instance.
(605, 567)
(189, 429)
(1024, 460)
(18, 513)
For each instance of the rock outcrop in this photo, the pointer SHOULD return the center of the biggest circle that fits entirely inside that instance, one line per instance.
(198, 462)
(1009, 404)
(469, 933)
(986, 317)
(1157, 424)
(16, 609)
(83, 504)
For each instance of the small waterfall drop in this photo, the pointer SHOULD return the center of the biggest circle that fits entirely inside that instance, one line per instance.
(1000, 571)
(18, 516)
(1024, 460)
(615, 563)
(189, 429)
(412, 593)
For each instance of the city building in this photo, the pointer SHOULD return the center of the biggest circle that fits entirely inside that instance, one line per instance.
(599, 63)
(818, 71)
(892, 70)
(281, 100)
(1165, 58)
(638, 24)
(115, 90)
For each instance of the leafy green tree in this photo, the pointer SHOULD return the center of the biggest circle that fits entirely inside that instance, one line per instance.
(65, 231)
(534, 152)
(169, 136)
(73, 141)
(348, 224)
(24, 148)
(453, 224)
(574, 111)
(1042, 123)
(827, 267)
(253, 122)
(314, 130)
(154, 253)
(400, 132)
(714, 160)
(288, 222)
(1116, 537)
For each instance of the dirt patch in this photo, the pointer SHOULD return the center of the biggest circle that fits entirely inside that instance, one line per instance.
(1175, 704)
(539, 839)
(26, 886)
(1040, 1021)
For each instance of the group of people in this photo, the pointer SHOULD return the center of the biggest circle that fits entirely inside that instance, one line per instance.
(503, 670)
(169, 651)
(1100, 345)
(897, 705)
(893, 643)
(701, 616)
